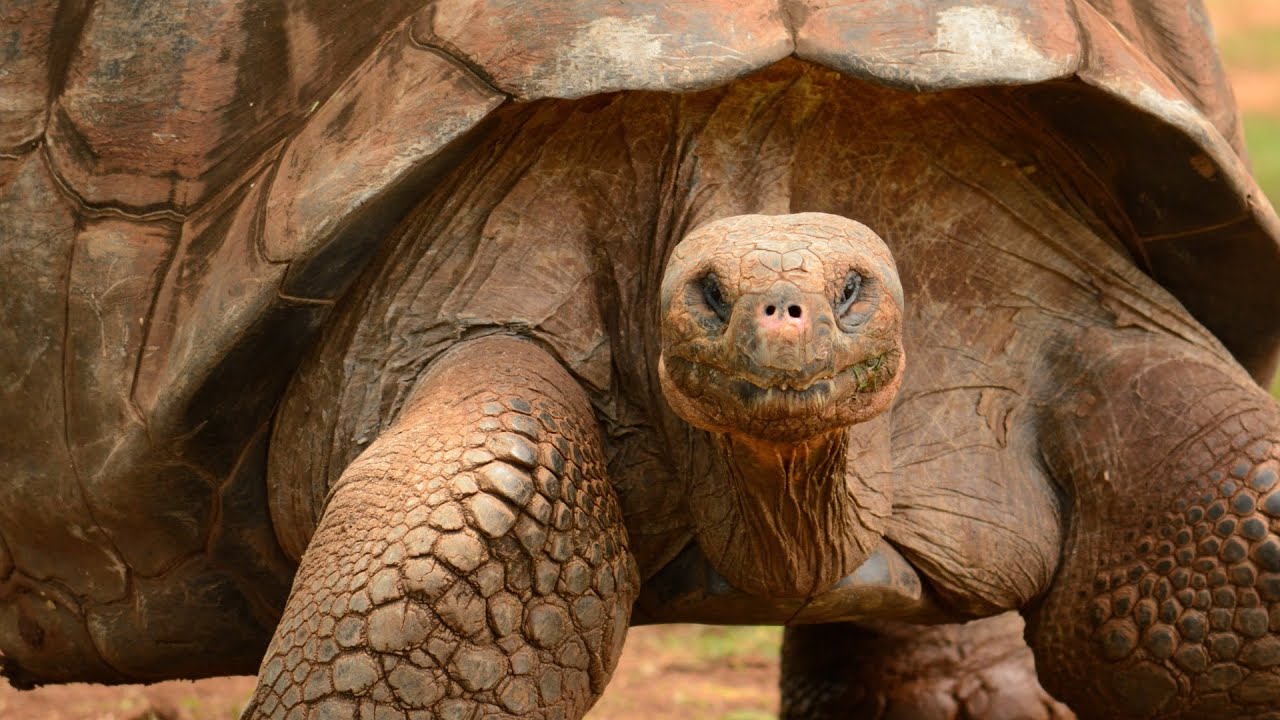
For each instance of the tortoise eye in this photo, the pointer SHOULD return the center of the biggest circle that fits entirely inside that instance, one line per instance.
(849, 293)
(714, 297)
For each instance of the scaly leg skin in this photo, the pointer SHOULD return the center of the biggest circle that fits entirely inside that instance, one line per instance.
(981, 670)
(471, 563)
(1167, 603)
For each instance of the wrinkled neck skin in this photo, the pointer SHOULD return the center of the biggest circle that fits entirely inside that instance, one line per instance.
(792, 519)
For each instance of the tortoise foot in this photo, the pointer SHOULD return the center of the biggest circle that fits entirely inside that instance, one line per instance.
(981, 670)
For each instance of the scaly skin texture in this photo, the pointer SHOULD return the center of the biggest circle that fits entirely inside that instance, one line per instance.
(1168, 603)
(981, 669)
(472, 562)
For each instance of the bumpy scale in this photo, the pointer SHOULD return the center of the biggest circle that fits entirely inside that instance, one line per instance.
(472, 560)
(1172, 577)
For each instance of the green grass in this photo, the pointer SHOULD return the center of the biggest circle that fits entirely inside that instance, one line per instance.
(1262, 137)
(730, 645)
(748, 715)
(1258, 49)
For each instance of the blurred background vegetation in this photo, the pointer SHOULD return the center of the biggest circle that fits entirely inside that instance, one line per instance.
(1249, 38)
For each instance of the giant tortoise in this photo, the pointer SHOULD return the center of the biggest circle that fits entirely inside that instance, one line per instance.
(407, 352)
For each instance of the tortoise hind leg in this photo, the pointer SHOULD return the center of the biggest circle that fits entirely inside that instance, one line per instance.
(1167, 603)
(981, 670)
(472, 562)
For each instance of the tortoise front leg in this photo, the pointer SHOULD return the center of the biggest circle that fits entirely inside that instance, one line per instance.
(1167, 603)
(472, 562)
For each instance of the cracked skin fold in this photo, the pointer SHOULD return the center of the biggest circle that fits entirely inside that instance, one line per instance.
(194, 215)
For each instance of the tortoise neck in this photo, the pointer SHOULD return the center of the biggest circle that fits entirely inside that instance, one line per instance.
(783, 519)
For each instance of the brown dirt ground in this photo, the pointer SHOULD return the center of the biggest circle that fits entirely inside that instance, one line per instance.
(684, 671)
(678, 671)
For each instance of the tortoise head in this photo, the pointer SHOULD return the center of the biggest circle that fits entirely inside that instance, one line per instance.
(781, 328)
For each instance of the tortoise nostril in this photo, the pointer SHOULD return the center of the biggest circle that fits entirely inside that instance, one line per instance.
(786, 313)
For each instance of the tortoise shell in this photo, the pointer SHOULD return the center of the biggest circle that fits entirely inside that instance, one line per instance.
(186, 189)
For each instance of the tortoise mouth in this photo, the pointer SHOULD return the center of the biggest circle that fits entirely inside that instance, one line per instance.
(785, 406)
(865, 376)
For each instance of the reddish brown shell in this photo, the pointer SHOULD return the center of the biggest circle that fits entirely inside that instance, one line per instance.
(185, 188)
